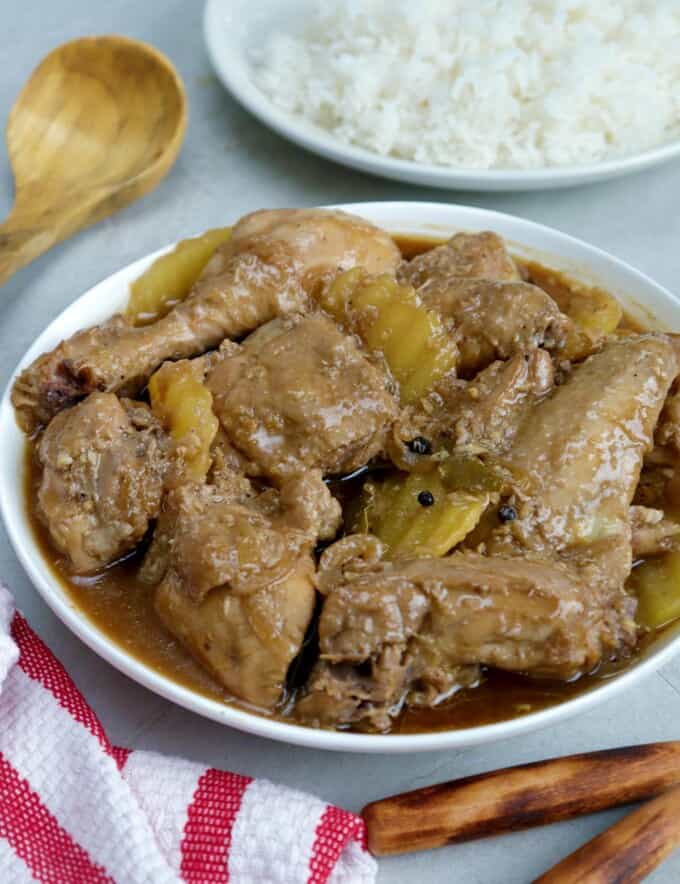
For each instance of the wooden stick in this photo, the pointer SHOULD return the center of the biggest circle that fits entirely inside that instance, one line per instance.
(626, 852)
(520, 797)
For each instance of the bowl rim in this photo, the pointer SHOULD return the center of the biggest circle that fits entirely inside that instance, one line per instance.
(233, 73)
(436, 218)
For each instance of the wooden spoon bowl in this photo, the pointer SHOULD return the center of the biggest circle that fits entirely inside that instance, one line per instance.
(98, 124)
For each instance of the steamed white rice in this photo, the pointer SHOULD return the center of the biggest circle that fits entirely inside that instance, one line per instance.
(484, 83)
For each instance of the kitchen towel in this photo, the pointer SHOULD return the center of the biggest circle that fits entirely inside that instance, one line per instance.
(74, 808)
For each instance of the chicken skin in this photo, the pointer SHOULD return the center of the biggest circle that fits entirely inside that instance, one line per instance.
(267, 269)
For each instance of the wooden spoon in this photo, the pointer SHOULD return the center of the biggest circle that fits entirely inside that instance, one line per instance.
(520, 797)
(99, 123)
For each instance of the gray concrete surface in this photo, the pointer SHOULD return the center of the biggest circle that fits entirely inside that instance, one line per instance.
(231, 164)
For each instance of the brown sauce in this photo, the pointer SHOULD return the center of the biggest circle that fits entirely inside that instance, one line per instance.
(121, 606)
(560, 286)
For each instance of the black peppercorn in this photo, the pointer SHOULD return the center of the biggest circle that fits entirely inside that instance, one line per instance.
(420, 445)
(426, 498)
(507, 513)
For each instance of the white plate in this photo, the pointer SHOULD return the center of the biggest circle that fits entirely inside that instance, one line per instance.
(637, 292)
(233, 27)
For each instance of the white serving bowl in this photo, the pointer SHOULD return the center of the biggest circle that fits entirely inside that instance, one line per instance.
(232, 28)
(641, 297)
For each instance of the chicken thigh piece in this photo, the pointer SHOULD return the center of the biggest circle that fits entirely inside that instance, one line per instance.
(103, 463)
(301, 395)
(415, 630)
(495, 320)
(319, 241)
(212, 535)
(473, 255)
(247, 642)
(237, 580)
(473, 282)
(267, 269)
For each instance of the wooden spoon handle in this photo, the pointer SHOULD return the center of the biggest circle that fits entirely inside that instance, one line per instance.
(19, 245)
(626, 852)
(520, 797)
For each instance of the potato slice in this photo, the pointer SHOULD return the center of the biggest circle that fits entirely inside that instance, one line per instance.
(594, 310)
(595, 313)
(391, 318)
(169, 279)
(657, 585)
(181, 401)
(397, 511)
(466, 472)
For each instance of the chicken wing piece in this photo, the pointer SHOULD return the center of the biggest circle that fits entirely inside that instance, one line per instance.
(237, 577)
(474, 255)
(415, 630)
(103, 464)
(489, 410)
(301, 395)
(581, 451)
(483, 414)
(268, 267)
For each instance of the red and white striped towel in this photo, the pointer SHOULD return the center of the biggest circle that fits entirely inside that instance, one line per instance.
(74, 808)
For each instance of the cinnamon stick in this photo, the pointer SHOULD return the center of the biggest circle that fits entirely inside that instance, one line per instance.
(628, 851)
(520, 797)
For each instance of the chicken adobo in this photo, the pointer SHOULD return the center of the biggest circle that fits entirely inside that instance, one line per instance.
(357, 486)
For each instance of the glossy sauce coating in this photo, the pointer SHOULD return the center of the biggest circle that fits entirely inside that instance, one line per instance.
(122, 607)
